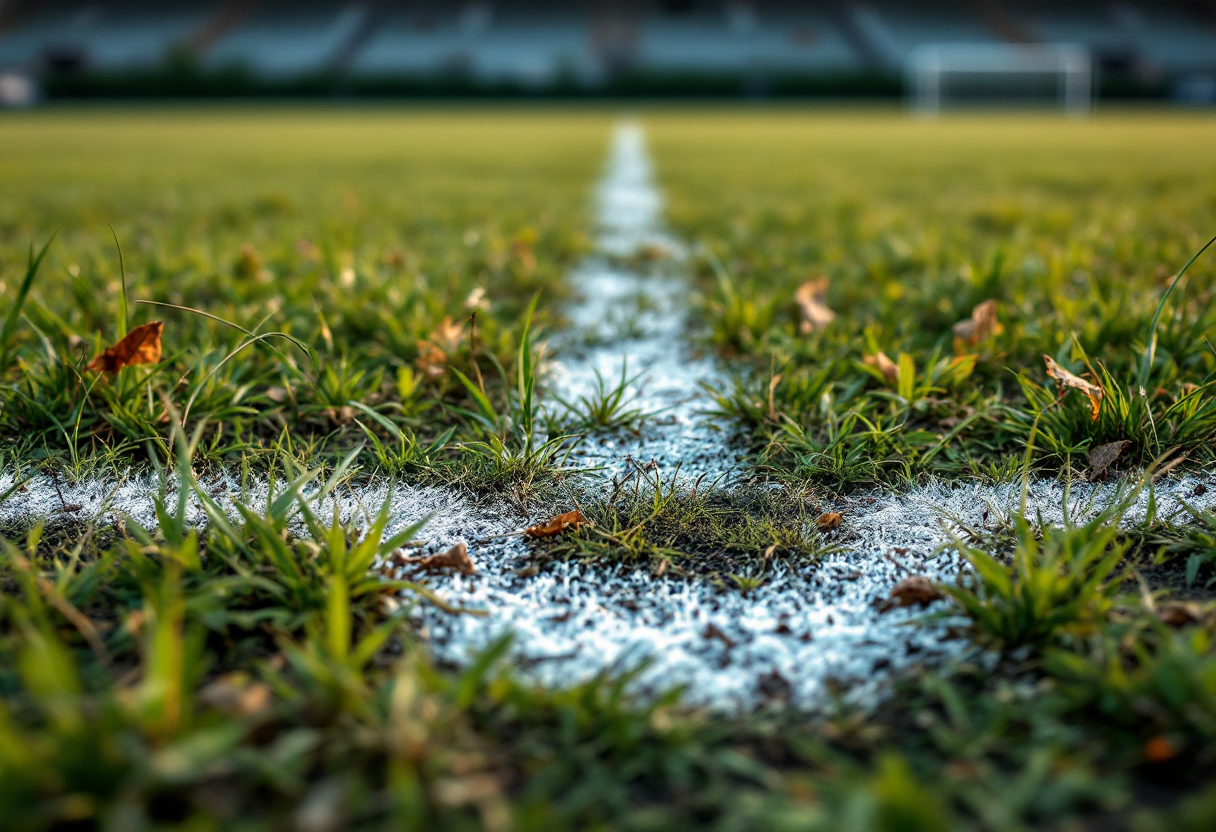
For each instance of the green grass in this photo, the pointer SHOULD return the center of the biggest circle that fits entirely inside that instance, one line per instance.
(357, 234)
(1074, 229)
(253, 677)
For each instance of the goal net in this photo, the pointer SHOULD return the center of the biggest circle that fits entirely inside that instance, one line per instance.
(1000, 75)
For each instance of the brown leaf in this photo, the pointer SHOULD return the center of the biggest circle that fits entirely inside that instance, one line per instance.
(810, 298)
(1104, 456)
(235, 694)
(431, 360)
(448, 336)
(557, 525)
(1065, 380)
(981, 326)
(455, 558)
(881, 362)
(141, 346)
(1180, 613)
(915, 590)
(713, 631)
(1159, 749)
(828, 521)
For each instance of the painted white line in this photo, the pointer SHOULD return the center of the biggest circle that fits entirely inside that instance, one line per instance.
(786, 640)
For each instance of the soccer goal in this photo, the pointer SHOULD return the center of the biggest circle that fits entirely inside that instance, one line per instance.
(992, 75)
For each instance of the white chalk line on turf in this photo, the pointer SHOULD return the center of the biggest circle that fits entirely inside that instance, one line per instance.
(732, 651)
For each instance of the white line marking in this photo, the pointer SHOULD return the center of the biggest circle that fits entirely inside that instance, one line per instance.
(572, 621)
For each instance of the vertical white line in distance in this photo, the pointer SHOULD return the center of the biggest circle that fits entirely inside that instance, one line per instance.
(731, 650)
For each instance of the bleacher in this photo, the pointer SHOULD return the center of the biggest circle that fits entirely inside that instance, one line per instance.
(537, 42)
(285, 39)
(99, 36)
(896, 29)
(743, 38)
(1167, 37)
(529, 43)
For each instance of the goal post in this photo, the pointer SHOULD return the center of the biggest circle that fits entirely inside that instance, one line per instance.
(944, 76)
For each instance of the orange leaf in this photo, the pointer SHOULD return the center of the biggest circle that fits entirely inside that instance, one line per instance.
(455, 558)
(811, 299)
(1159, 749)
(882, 362)
(431, 360)
(448, 335)
(141, 346)
(916, 590)
(557, 525)
(828, 521)
(981, 326)
(1066, 379)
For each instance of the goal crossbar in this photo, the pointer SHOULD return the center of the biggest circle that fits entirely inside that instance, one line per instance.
(1071, 63)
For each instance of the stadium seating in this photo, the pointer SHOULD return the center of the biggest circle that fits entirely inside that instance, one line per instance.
(100, 36)
(742, 37)
(538, 41)
(290, 38)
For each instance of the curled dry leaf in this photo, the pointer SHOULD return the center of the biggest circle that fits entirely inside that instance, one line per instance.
(713, 631)
(557, 525)
(433, 353)
(828, 520)
(811, 300)
(881, 362)
(1104, 456)
(141, 346)
(981, 326)
(455, 558)
(235, 694)
(1181, 613)
(431, 360)
(914, 590)
(448, 336)
(1066, 380)
(1159, 749)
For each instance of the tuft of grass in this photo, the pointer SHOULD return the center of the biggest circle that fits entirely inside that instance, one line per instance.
(731, 534)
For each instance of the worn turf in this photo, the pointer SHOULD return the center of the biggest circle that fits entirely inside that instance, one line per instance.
(212, 609)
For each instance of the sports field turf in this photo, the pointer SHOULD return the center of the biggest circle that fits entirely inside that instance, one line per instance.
(322, 267)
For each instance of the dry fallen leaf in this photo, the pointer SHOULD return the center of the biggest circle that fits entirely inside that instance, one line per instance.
(1159, 749)
(431, 360)
(713, 631)
(1104, 456)
(455, 558)
(448, 336)
(1066, 379)
(916, 590)
(828, 521)
(1180, 613)
(557, 525)
(881, 362)
(141, 346)
(810, 298)
(235, 694)
(981, 326)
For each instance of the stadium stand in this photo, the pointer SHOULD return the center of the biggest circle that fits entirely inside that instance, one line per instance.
(529, 43)
(1124, 34)
(742, 37)
(896, 29)
(541, 42)
(97, 35)
(290, 38)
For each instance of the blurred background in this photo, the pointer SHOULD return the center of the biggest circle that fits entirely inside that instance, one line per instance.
(52, 49)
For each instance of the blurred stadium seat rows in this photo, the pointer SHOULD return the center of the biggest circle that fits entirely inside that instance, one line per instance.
(536, 42)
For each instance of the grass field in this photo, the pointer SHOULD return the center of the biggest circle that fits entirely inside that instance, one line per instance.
(322, 267)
